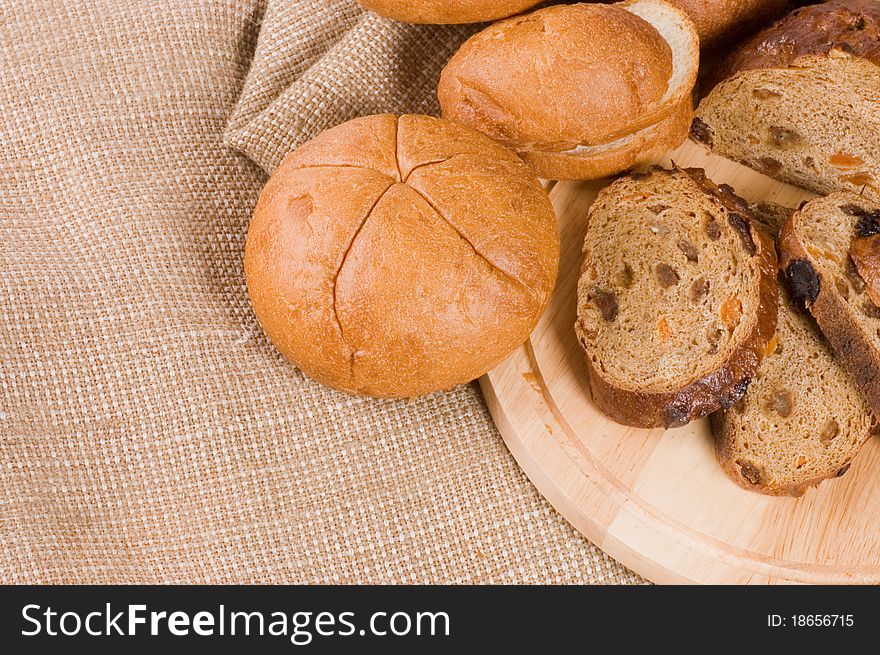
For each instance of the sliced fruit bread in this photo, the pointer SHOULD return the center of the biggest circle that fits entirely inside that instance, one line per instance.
(677, 298)
(801, 100)
(802, 420)
(830, 252)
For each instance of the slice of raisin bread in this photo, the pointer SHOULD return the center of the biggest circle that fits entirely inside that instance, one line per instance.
(676, 300)
(829, 255)
(802, 420)
(801, 101)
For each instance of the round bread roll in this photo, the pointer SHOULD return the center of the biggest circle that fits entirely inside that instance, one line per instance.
(581, 91)
(393, 256)
(441, 12)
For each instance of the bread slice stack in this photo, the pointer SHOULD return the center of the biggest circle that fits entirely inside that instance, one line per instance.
(676, 299)
(809, 411)
(801, 101)
(579, 91)
(803, 418)
(680, 315)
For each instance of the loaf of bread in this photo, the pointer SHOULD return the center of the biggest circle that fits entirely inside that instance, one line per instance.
(447, 11)
(397, 256)
(801, 100)
(579, 91)
(828, 252)
(677, 298)
(719, 20)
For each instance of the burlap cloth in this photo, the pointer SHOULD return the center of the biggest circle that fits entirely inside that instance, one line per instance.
(148, 430)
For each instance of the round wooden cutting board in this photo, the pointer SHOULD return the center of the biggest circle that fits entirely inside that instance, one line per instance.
(656, 500)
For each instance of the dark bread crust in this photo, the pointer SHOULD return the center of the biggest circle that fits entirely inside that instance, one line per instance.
(852, 26)
(833, 315)
(724, 387)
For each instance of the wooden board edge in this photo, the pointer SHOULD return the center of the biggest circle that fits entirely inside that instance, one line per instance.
(604, 498)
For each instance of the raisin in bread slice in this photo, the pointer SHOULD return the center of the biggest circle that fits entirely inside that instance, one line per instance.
(802, 420)
(829, 254)
(676, 300)
(801, 101)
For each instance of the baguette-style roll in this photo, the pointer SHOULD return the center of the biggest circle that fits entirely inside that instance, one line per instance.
(579, 91)
(720, 20)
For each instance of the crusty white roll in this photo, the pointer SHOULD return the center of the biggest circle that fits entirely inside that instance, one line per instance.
(579, 91)
(397, 256)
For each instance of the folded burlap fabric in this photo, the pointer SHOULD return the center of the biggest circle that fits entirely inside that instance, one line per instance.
(148, 430)
(319, 63)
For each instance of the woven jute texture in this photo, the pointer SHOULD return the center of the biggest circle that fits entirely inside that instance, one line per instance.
(148, 430)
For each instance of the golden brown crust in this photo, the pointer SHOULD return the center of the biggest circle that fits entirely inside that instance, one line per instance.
(831, 312)
(447, 12)
(554, 55)
(728, 384)
(865, 254)
(718, 20)
(852, 26)
(377, 273)
(641, 148)
(362, 142)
